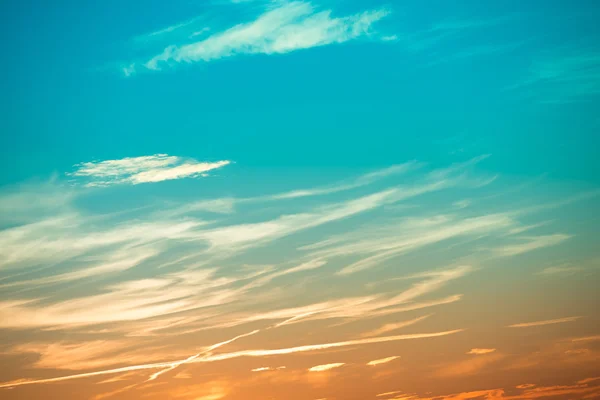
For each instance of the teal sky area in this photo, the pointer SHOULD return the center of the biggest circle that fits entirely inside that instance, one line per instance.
(433, 81)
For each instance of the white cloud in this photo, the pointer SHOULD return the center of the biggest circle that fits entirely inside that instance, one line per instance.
(406, 237)
(145, 169)
(531, 243)
(262, 369)
(250, 235)
(287, 27)
(325, 367)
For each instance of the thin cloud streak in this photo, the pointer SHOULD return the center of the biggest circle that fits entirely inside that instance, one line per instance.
(325, 367)
(192, 358)
(481, 351)
(393, 326)
(546, 322)
(363, 180)
(382, 361)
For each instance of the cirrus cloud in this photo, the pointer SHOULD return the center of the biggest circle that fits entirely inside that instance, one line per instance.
(283, 28)
(145, 169)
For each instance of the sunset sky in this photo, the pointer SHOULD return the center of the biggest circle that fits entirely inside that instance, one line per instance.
(328, 200)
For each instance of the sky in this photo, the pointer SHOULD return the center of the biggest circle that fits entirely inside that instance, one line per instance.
(327, 200)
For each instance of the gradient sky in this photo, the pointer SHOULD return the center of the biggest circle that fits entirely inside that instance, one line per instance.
(342, 199)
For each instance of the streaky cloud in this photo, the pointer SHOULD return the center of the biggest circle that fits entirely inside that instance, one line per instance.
(480, 351)
(284, 28)
(325, 367)
(545, 322)
(382, 361)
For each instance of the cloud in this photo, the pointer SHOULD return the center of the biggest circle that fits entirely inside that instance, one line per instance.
(546, 322)
(208, 350)
(262, 369)
(525, 386)
(110, 263)
(407, 237)
(588, 380)
(360, 181)
(469, 366)
(326, 367)
(560, 270)
(587, 339)
(569, 74)
(481, 351)
(127, 301)
(526, 392)
(164, 33)
(30, 202)
(145, 169)
(285, 27)
(531, 243)
(441, 32)
(382, 361)
(393, 326)
(244, 236)
(325, 346)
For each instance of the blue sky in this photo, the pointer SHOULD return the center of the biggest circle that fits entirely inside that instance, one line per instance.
(294, 177)
(458, 78)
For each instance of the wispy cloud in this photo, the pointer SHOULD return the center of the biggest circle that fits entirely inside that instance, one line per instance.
(358, 182)
(262, 369)
(383, 361)
(165, 33)
(399, 241)
(567, 75)
(561, 270)
(545, 322)
(480, 351)
(587, 339)
(469, 366)
(145, 169)
(393, 326)
(580, 390)
(531, 243)
(440, 33)
(208, 350)
(325, 367)
(283, 28)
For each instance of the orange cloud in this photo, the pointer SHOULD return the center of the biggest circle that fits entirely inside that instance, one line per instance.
(546, 322)
(481, 351)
